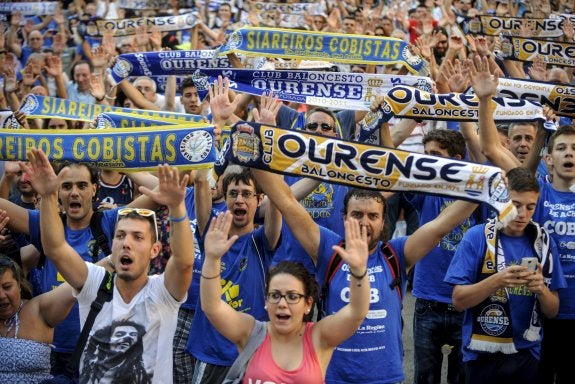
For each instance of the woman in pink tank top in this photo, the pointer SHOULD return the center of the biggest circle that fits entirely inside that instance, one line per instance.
(294, 350)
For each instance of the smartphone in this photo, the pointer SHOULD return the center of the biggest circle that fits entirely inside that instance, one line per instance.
(530, 263)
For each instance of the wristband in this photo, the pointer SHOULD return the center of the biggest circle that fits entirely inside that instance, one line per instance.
(98, 100)
(211, 277)
(358, 277)
(178, 219)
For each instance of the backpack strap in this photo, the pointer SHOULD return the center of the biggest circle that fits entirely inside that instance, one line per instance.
(334, 263)
(393, 263)
(99, 236)
(104, 295)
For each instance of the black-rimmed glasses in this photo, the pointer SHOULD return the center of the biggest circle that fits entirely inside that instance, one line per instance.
(290, 297)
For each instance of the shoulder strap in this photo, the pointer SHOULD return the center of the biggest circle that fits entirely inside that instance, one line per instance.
(238, 368)
(99, 236)
(104, 295)
(334, 263)
(393, 264)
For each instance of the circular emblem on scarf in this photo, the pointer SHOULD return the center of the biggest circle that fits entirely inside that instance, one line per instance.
(122, 68)
(234, 41)
(493, 320)
(410, 58)
(196, 146)
(30, 105)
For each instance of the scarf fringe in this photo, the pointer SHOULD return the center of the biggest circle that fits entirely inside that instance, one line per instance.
(531, 333)
(491, 347)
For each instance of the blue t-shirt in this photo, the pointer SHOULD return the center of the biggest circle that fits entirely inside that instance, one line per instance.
(556, 213)
(377, 342)
(194, 289)
(66, 334)
(428, 281)
(465, 269)
(244, 268)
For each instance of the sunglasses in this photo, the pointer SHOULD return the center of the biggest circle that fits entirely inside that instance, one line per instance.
(325, 127)
(6, 261)
(143, 212)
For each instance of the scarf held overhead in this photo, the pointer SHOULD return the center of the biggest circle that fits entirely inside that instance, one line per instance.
(358, 165)
(40, 107)
(351, 91)
(523, 49)
(336, 47)
(118, 149)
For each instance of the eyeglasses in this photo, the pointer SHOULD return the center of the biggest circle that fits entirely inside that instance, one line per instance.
(147, 213)
(290, 297)
(246, 195)
(325, 127)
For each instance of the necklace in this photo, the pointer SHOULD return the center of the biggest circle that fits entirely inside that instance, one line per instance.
(13, 322)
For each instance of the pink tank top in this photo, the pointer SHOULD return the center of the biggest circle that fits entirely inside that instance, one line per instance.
(263, 369)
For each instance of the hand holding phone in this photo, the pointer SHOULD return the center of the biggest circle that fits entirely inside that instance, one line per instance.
(530, 263)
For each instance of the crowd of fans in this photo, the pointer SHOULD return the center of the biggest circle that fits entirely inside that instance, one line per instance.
(443, 248)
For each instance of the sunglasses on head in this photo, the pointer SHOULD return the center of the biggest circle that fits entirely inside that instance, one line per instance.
(6, 261)
(325, 127)
(143, 212)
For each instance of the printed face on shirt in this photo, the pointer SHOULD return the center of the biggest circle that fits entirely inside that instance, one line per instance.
(525, 202)
(123, 337)
(370, 214)
(521, 138)
(76, 193)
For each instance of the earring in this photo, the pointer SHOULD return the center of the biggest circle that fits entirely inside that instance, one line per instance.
(266, 307)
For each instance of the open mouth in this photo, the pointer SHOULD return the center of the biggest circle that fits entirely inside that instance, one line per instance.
(240, 213)
(125, 260)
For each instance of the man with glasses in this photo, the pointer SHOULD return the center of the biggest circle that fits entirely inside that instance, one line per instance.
(244, 267)
(150, 301)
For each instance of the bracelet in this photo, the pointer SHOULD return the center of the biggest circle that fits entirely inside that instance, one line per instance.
(210, 278)
(357, 276)
(99, 99)
(110, 98)
(178, 219)
(110, 262)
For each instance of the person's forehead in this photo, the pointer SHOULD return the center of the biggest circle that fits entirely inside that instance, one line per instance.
(77, 174)
(82, 68)
(240, 185)
(357, 203)
(521, 129)
(319, 116)
(190, 89)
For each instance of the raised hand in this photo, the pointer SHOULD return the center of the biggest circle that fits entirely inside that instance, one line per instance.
(217, 242)
(220, 105)
(453, 74)
(538, 71)
(477, 71)
(171, 190)
(356, 251)
(97, 88)
(41, 174)
(269, 108)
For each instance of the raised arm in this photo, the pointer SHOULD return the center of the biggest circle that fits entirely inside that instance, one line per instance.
(171, 192)
(485, 87)
(334, 329)
(45, 181)
(233, 325)
(298, 220)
